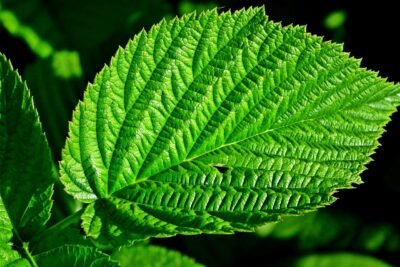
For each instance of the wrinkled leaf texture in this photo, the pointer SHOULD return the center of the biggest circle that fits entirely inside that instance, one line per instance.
(215, 123)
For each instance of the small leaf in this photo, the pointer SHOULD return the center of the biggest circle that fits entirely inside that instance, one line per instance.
(68, 236)
(8, 256)
(27, 172)
(339, 259)
(152, 256)
(74, 255)
(215, 123)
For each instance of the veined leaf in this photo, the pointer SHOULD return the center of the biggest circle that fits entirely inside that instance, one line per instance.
(339, 259)
(26, 169)
(74, 255)
(152, 256)
(214, 123)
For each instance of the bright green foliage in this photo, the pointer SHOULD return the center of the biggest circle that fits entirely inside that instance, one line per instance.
(339, 259)
(26, 169)
(214, 123)
(152, 256)
(74, 255)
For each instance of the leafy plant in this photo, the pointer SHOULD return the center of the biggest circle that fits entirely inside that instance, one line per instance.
(208, 123)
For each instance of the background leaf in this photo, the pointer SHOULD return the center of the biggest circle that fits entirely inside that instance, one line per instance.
(152, 256)
(74, 255)
(219, 123)
(325, 229)
(339, 259)
(8, 256)
(27, 172)
(72, 40)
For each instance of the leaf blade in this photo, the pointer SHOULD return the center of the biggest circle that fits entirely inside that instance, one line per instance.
(216, 123)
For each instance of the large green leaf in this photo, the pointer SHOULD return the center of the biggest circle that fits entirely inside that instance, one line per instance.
(152, 256)
(215, 123)
(26, 169)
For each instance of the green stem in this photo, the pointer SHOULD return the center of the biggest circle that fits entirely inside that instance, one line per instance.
(60, 226)
(25, 247)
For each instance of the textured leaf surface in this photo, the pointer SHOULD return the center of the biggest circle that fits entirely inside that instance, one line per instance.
(74, 255)
(152, 256)
(215, 123)
(26, 169)
(339, 259)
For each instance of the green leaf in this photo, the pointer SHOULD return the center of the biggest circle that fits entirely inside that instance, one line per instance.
(66, 236)
(215, 123)
(74, 255)
(27, 172)
(152, 256)
(339, 259)
(8, 256)
(11, 258)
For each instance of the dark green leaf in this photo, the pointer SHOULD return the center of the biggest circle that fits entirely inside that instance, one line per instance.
(74, 255)
(27, 172)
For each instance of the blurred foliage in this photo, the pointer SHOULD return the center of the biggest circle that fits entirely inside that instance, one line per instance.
(333, 229)
(60, 45)
(338, 259)
(72, 40)
(335, 19)
(189, 6)
(151, 256)
(55, 83)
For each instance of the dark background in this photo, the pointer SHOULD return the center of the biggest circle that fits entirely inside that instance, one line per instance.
(369, 32)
